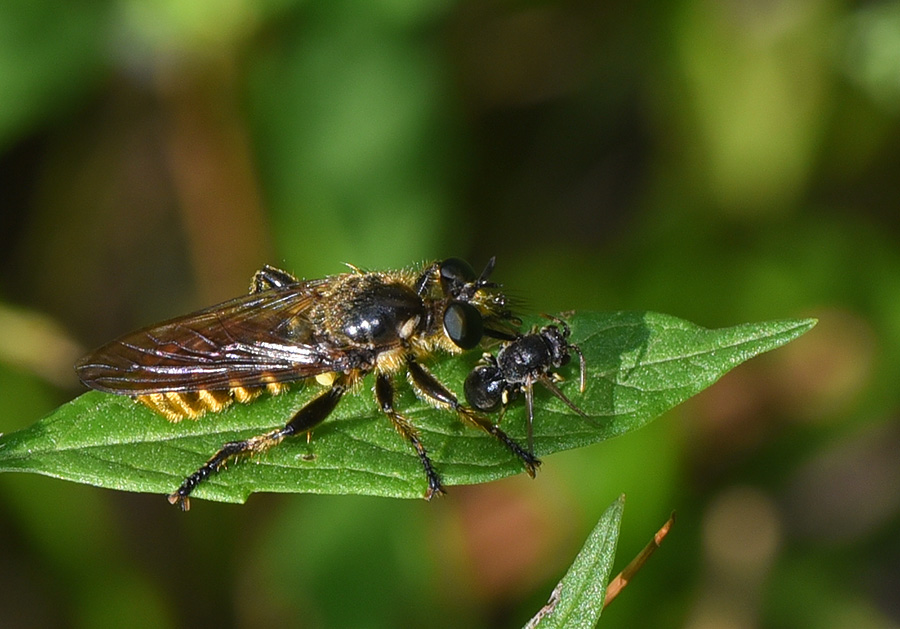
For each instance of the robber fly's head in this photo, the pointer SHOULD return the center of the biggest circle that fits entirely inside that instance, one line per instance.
(475, 307)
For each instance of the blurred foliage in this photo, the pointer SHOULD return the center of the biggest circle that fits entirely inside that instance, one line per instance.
(719, 161)
(579, 598)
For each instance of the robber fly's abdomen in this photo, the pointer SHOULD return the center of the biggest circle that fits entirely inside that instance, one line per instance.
(178, 405)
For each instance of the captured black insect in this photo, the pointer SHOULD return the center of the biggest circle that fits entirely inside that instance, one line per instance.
(520, 363)
(342, 326)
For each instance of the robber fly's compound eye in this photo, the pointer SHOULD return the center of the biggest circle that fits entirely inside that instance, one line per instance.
(455, 274)
(463, 325)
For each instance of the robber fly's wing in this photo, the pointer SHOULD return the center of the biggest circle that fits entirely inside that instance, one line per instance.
(250, 341)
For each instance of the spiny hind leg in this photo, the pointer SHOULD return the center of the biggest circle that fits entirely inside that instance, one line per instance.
(384, 394)
(430, 387)
(303, 421)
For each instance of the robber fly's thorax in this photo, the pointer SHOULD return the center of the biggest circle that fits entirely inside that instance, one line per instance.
(375, 311)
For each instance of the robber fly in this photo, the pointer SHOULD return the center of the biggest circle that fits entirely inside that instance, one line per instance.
(521, 362)
(339, 328)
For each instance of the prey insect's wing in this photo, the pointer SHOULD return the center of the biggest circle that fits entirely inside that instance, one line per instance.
(250, 341)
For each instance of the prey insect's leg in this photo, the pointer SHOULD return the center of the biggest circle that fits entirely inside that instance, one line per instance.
(529, 407)
(577, 350)
(384, 394)
(429, 386)
(304, 420)
(551, 386)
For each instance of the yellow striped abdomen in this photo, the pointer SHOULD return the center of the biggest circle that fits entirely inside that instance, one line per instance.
(178, 405)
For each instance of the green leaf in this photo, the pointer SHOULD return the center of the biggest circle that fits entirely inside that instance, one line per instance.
(577, 601)
(638, 366)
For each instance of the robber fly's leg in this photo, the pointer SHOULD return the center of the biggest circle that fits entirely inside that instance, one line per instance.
(303, 421)
(270, 277)
(429, 386)
(384, 394)
(428, 277)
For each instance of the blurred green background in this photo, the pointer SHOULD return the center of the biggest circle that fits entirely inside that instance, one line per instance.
(723, 161)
